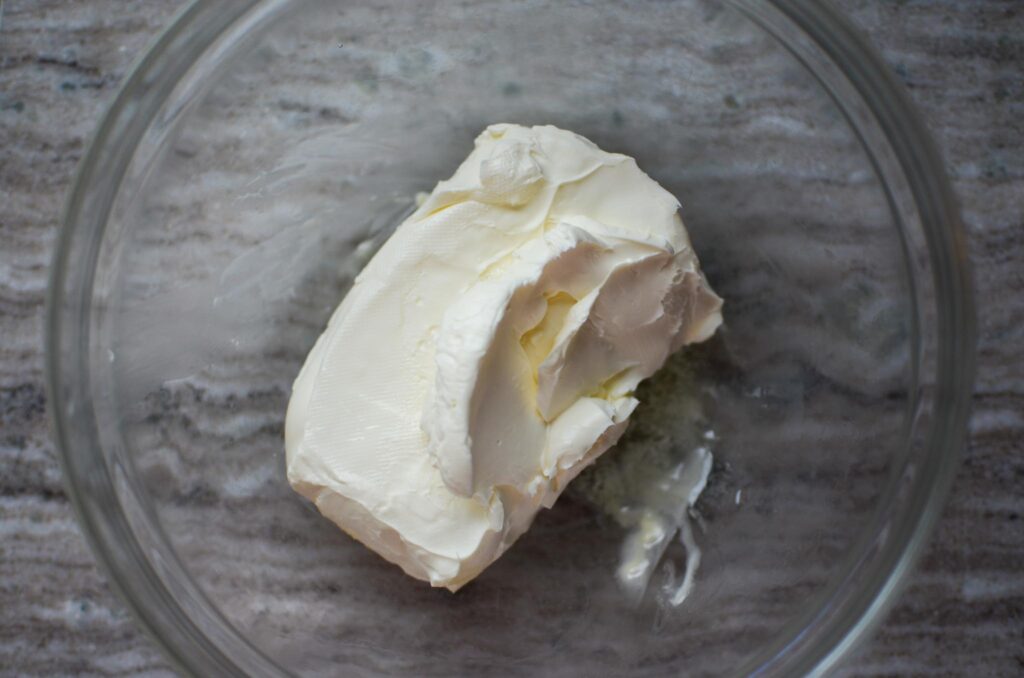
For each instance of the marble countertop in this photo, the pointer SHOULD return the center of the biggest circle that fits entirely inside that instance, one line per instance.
(963, 62)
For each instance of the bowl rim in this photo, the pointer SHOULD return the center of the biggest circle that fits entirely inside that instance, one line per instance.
(198, 25)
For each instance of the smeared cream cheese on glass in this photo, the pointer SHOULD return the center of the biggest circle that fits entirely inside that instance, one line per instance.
(490, 350)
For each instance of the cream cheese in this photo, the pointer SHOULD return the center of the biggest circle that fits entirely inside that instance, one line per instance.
(490, 350)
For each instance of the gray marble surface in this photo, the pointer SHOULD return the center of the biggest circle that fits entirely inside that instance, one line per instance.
(963, 62)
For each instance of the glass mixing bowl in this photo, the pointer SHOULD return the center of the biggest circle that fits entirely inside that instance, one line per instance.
(260, 152)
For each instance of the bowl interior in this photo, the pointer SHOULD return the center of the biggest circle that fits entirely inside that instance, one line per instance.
(289, 152)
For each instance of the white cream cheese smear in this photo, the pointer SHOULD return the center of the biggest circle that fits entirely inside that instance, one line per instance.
(490, 350)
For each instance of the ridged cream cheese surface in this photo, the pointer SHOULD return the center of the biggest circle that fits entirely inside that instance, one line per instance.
(489, 351)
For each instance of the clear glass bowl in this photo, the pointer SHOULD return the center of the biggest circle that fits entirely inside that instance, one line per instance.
(260, 151)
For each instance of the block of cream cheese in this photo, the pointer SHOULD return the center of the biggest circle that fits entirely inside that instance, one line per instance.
(490, 350)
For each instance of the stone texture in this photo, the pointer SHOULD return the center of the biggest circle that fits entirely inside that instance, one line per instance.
(963, 62)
